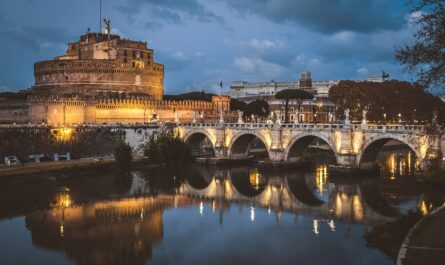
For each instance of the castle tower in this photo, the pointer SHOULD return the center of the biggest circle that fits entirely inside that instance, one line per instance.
(101, 63)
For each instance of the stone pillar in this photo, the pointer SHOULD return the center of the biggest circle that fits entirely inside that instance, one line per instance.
(345, 151)
(220, 143)
(276, 148)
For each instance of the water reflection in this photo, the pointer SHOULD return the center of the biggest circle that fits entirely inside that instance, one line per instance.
(226, 216)
(398, 163)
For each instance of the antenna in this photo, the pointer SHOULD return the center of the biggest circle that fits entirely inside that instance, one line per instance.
(100, 16)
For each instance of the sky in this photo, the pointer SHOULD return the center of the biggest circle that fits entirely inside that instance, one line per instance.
(203, 41)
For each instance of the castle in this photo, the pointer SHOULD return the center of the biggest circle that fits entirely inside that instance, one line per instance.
(103, 78)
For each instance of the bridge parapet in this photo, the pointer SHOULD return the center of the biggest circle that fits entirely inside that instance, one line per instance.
(312, 126)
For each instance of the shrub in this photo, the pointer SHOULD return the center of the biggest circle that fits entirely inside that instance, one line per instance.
(123, 154)
(167, 148)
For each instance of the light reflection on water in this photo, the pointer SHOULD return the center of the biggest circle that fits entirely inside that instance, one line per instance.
(220, 216)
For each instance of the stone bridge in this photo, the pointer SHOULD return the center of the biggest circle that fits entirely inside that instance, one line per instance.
(354, 145)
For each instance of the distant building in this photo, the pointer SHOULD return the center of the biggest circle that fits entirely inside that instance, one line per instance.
(319, 109)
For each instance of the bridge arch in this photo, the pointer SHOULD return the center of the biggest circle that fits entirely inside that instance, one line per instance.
(239, 144)
(299, 144)
(368, 153)
(196, 137)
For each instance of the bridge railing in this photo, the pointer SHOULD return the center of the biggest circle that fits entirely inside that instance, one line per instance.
(312, 126)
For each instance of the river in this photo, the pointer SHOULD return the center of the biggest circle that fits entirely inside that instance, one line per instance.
(203, 215)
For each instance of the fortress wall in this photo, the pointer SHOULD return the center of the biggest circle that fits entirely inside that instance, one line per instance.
(14, 114)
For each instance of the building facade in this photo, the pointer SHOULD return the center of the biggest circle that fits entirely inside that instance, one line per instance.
(319, 109)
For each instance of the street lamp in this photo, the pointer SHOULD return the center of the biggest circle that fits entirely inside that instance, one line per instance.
(384, 117)
(400, 118)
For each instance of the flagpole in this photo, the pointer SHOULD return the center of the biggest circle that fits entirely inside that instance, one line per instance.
(100, 16)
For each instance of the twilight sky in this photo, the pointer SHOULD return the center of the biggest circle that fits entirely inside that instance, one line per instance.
(203, 41)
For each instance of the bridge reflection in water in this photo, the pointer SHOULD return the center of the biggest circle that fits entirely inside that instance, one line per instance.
(124, 230)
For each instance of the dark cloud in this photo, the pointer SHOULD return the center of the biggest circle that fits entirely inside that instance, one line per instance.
(168, 11)
(33, 37)
(329, 16)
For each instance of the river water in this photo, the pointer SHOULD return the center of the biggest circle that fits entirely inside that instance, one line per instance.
(200, 215)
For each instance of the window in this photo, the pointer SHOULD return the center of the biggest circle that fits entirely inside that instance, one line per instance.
(134, 54)
(125, 53)
(142, 55)
(125, 60)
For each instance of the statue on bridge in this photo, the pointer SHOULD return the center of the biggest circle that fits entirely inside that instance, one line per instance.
(364, 113)
(240, 117)
(347, 121)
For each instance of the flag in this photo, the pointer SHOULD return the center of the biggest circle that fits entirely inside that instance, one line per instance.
(221, 84)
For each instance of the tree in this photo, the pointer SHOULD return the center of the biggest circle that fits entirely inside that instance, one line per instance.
(414, 104)
(236, 104)
(293, 94)
(426, 57)
(259, 108)
(123, 154)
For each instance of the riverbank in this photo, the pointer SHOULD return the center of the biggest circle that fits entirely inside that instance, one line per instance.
(426, 244)
(32, 168)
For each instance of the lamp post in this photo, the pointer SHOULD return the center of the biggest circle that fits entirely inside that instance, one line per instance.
(384, 117)
(400, 118)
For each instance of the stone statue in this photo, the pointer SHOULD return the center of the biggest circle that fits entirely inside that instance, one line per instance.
(364, 113)
(296, 117)
(278, 117)
(221, 117)
(240, 116)
(176, 117)
(107, 26)
(434, 120)
(347, 121)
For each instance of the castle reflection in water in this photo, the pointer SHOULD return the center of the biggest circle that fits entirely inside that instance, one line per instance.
(124, 230)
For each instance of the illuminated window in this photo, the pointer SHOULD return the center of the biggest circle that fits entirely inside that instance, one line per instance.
(138, 64)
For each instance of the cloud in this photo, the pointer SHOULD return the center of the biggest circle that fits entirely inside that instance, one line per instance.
(328, 16)
(33, 37)
(259, 67)
(362, 70)
(161, 12)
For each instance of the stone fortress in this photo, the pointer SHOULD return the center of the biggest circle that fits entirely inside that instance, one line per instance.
(105, 79)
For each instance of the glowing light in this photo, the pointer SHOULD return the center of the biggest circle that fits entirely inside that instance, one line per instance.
(252, 214)
(409, 162)
(201, 209)
(63, 198)
(358, 208)
(315, 225)
(425, 209)
(332, 225)
(61, 230)
(255, 179)
(321, 178)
